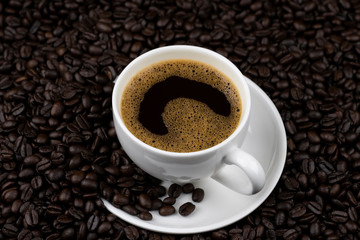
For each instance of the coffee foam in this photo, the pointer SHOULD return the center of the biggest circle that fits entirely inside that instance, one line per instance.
(192, 125)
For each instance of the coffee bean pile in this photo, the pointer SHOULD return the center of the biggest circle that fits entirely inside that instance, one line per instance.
(59, 153)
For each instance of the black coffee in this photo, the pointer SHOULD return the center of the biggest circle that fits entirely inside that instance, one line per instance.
(181, 106)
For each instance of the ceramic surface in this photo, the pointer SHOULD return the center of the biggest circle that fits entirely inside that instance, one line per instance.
(266, 140)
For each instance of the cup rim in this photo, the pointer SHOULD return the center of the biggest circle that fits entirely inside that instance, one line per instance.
(116, 98)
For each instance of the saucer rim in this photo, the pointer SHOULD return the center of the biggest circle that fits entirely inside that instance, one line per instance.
(281, 149)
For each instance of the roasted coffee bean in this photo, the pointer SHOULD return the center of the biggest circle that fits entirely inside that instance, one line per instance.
(76, 214)
(93, 222)
(145, 201)
(131, 232)
(198, 195)
(9, 195)
(65, 195)
(89, 207)
(147, 216)
(169, 201)
(186, 209)
(339, 216)
(174, 190)
(280, 218)
(43, 165)
(57, 109)
(315, 207)
(77, 177)
(130, 210)
(104, 227)
(167, 210)
(156, 204)
(53, 209)
(10, 230)
(63, 219)
(290, 234)
(55, 175)
(297, 211)
(188, 188)
(120, 199)
(89, 185)
(15, 206)
(31, 217)
(25, 234)
(221, 234)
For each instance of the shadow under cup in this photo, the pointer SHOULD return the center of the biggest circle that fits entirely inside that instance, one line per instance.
(176, 166)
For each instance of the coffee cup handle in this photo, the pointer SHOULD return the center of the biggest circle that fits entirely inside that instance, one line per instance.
(250, 166)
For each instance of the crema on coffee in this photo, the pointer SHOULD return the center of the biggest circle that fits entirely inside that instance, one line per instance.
(181, 106)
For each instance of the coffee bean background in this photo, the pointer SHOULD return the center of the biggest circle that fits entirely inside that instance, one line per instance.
(58, 148)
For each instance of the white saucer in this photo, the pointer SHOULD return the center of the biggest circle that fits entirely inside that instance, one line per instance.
(221, 206)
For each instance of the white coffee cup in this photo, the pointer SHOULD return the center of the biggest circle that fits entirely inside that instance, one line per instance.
(190, 166)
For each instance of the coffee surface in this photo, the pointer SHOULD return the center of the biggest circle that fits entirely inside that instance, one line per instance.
(181, 106)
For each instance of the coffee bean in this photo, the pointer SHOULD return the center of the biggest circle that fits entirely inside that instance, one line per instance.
(43, 165)
(167, 210)
(57, 109)
(131, 232)
(147, 216)
(315, 207)
(65, 195)
(220, 234)
(10, 230)
(145, 201)
(63, 219)
(89, 207)
(297, 211)
(339, 216)
(280, 218)
(290, 234)
(104, 227)
(54, 175)
(308, 166)
(89, 185)
(169, 200)
(25, 234)
(9, 195)
(93, 222)
(120, 199)
(186, 209)
(156, 204)
(174, 190)
(130, 210)
(198, 195)
(76, 214)
(188, 188)
(31, 217)
(36, 182)
(103, 27)
(53, 210)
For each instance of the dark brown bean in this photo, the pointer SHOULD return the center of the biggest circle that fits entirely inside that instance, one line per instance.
(198, 195)
(186, 209)
(167, 210)
(32, 217)
(174, 190)
(93, 222)
(339, 216)
(145, 201)
(131, 233)
(147, 216)
(188, 188)
(130, 210)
